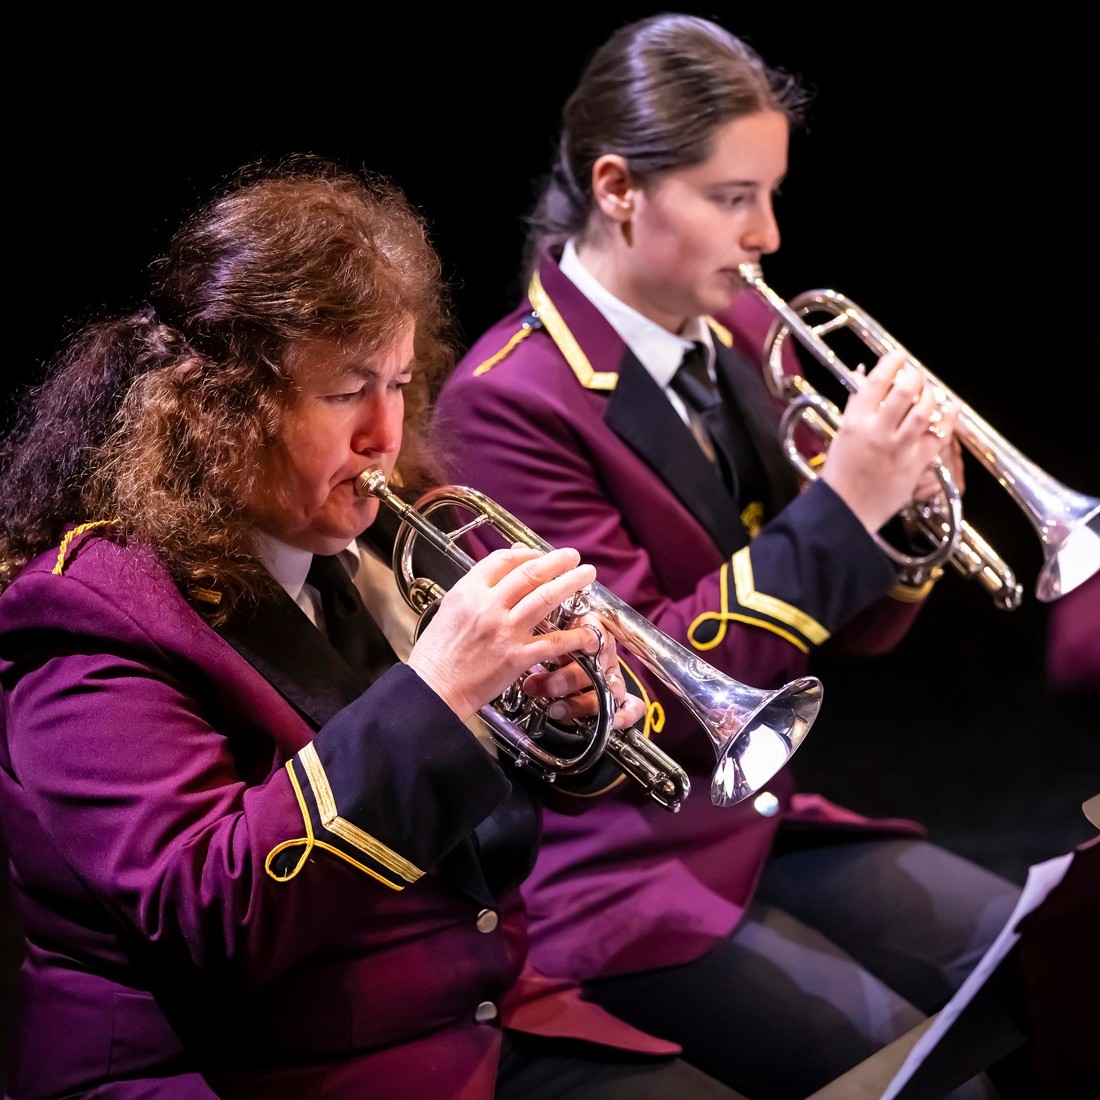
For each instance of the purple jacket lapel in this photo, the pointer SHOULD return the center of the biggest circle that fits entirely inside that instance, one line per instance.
(280, 642)
(641, 416)
(745, 379)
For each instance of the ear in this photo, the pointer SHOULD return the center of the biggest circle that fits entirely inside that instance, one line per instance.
(613, 187)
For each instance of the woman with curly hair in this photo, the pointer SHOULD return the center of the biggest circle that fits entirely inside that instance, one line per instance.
(259, 844)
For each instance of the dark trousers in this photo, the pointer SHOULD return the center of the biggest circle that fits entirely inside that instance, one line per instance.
(847, 946)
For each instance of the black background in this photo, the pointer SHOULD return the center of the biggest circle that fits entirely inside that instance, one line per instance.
(945, 182)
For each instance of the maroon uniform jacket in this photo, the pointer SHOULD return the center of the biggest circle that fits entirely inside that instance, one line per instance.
(1073, 648)
(550, 414)
(238, 872)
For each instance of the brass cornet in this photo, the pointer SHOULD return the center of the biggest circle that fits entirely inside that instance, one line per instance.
(753, 732)
(1067, 522)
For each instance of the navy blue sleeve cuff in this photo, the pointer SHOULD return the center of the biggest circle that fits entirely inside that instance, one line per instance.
(810, 570)
(391, 784)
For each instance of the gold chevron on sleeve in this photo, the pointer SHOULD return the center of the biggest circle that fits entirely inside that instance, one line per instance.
(747, 596)
(337, 826)
(708, 629)
(345, 830)
(285, 861)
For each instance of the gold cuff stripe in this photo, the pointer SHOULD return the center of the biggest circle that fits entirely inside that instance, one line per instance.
(908, 593)
(308, 842)
(560, 333)
(725, 616)
(747, 596)
(345, 830)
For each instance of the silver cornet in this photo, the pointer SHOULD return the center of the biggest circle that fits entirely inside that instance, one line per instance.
(1067, 522)
(753, 732)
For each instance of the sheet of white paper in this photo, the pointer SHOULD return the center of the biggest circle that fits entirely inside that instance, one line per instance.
(1041, 879)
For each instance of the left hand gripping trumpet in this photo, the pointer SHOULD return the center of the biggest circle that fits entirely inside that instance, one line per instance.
(1067, 522)
(753, 732)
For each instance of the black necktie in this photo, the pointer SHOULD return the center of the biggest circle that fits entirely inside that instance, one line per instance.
(692, 384)
(348, 625)
(719, 426)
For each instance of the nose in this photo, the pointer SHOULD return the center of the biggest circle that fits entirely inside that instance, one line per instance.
(762, 236)
(378, 428)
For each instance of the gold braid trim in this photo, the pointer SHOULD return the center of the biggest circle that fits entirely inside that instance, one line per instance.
(347, 832)
(747, 596)
(504, 351)
(654, 723)
(654, 712)
(66, 542)
(308, 843)
(560, 333)
(724, 616)
(721, 332)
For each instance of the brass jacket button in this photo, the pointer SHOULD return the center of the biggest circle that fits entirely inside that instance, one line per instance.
(485, 1012)
(487, 920)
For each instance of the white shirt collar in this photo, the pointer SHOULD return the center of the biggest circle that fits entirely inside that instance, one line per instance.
(657, 349)
(289, 565)
(372, 576)
(369, 573)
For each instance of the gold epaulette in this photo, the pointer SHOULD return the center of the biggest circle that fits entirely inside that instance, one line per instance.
(70, 536)
(531, 323)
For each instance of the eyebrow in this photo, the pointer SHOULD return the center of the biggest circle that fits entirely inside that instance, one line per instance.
(370, 373)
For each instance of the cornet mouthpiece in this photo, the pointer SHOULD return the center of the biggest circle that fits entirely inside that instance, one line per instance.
(370, 483)
(750, 273)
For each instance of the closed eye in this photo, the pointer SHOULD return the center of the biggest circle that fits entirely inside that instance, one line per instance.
(344, 397)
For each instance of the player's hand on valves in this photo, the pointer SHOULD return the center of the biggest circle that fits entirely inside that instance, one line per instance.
(482, 637)
(568, 690)
(891, 431)
(929, 487)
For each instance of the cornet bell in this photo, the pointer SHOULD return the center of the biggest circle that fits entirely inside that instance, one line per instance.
(752, 745)
(1069, 530)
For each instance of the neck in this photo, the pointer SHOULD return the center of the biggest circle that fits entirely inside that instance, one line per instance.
(610, 270)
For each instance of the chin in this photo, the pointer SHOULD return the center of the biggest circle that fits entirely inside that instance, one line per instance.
(726, 288)
(365, 515)
(336, 534)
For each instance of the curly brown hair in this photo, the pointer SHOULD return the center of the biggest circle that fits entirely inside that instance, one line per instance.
(155, 420)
